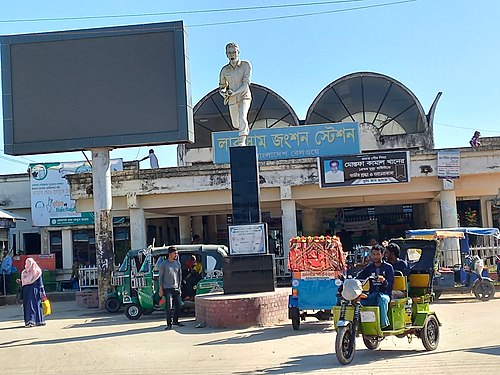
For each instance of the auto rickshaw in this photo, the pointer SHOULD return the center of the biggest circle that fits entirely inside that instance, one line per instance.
(409, 315)
(459, 271)
(122, 278)
(144, 298)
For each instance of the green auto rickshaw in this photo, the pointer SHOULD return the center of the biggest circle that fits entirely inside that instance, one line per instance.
(122, 279)
(201, 273)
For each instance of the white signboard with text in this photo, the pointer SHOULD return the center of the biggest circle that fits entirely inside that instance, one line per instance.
(247, 239)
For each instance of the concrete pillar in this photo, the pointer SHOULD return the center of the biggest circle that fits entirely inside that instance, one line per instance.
(44, 242)
(211, 235)
(311, 225)
(288, 219)
(101, 185)
(67, 248)
(448, 209)
(433, 215)
(138, 234)
(449, 219)
(138, 237)
(197, 227)
(486, 212)
(185, 230)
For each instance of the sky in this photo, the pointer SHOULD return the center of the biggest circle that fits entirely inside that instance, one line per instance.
(298, 47)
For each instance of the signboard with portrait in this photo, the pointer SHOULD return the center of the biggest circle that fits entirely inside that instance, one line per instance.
(364, 169)
(248, 239)
(306, 141)
(51, 204)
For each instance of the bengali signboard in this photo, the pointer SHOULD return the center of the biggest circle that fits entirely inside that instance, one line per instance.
(448, 166)
(293, 142)
(247, 239)
(51, 204)
(364, 169)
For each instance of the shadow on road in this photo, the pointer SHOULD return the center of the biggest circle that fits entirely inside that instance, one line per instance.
(272, 333)
(457, 299)
(328, 362)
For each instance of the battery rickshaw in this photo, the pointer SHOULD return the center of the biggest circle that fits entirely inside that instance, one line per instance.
(204, 275)
(459, 271)
(409, 315)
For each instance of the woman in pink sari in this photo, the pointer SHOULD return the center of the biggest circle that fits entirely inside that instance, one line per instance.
(33, 293)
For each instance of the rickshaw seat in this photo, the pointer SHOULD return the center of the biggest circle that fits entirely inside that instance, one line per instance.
(399, 288)
(419, 280)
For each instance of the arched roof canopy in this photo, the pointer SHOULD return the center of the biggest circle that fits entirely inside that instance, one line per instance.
(369, 98)
(267, 110)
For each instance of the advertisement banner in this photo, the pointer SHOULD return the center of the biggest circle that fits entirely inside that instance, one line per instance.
(448, 164)
(364, 169)
(51, 204)
(306, 141)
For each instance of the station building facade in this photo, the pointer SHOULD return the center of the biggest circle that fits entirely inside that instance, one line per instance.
(170, 205)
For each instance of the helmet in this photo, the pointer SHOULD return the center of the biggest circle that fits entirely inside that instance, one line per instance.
(352, 289)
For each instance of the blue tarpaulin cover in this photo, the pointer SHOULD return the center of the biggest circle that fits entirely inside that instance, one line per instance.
(463, 230)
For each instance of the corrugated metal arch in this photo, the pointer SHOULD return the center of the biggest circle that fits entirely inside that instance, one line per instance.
(370, 98)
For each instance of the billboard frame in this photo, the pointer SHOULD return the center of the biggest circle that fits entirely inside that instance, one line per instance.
(182, 132)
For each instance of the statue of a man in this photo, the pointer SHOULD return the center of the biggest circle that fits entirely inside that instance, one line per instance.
(234, 86)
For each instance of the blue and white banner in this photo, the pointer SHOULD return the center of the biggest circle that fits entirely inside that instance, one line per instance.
(293, 142)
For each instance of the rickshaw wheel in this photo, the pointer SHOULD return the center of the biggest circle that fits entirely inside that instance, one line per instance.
(371, 342)
(295, 316)
(133, 311)
(345, 346)
(112, 305)
(484, 290)
(430, 333)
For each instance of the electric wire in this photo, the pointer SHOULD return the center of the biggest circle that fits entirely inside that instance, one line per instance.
(189, 12)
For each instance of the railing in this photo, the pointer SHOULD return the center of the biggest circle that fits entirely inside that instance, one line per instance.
(486, 253)
(87, 277)
(281, 267)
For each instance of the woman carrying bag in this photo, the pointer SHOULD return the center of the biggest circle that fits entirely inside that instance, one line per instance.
(33, 294)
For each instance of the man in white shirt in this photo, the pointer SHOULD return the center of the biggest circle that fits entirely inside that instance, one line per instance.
(153, 160)
(334, 174)
(234, 86)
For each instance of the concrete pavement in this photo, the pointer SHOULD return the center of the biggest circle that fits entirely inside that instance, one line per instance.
(80, 341)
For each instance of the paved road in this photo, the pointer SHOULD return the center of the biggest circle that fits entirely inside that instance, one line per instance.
(77, 341)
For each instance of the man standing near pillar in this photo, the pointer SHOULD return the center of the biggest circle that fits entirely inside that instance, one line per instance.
(234, 86)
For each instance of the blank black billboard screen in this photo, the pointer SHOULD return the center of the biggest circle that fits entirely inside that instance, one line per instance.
(75, 90)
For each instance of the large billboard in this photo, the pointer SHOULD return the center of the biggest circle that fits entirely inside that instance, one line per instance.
(364, 169)
(293, 142)
(105, 87)
(51, 203)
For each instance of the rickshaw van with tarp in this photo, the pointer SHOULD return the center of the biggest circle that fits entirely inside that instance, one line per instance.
(315, 263)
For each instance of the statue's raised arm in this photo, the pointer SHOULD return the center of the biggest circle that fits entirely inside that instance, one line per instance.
(234, 86)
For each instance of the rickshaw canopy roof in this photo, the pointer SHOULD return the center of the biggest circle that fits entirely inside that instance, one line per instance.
(163, 250)
(452, 232)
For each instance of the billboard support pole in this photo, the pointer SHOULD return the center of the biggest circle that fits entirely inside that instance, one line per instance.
(101, 177)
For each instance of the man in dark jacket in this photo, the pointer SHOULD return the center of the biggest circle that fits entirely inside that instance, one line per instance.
(392, 256)
(381, 283)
